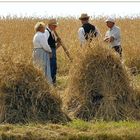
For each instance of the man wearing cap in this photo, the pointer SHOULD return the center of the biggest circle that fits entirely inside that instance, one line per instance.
(42, 51)
(51, 39)
(113, 36)
(88, 31)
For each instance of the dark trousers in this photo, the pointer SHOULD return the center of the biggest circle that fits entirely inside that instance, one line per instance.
(53, 64)
(118, 49)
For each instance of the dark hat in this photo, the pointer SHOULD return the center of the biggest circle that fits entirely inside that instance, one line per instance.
(52, 22)
(84, 16)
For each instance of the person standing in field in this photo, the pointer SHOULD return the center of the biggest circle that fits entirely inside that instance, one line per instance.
(52, 41)
(88, 31)
(42, 51)
(113, 36)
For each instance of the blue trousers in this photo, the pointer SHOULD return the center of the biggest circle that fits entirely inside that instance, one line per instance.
(53, 65)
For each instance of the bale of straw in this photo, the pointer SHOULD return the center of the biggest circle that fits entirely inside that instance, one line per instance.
(25, 95)
(99, 87)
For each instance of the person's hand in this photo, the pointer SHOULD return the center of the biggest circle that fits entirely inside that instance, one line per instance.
(58, 39)
(107, 39)
(111, 39)
(58, 44)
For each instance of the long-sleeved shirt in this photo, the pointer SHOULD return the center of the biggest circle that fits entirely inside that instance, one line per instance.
(40, 41)
(115, 33)
(81, 34)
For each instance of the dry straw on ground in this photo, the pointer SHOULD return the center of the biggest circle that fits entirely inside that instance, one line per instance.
(25, 95)
(99, 87)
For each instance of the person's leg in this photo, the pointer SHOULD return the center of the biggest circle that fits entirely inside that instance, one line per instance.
(48, 69)
(53, 65)
(53, 69)
(42, 60)
(39, 59)
(118, 49)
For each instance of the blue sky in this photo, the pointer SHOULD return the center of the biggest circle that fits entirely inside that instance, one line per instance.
(44, 9)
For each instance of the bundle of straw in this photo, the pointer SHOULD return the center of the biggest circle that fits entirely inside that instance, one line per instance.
(99, 87)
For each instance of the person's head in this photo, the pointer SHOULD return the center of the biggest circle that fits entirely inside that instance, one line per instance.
(52, 24)
(84, 18)
(110, 22)
(40, 27)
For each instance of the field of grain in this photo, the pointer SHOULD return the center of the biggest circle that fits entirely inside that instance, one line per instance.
(19, 33)
(16, 46)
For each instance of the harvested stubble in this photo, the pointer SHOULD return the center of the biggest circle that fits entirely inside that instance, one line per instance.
(100, 88)
(25, 95)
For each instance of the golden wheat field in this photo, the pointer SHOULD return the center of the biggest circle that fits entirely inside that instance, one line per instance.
(16, 47)
(17, 34)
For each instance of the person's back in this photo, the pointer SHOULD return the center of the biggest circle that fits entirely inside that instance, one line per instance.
(37, 40)
(87, 31)
(90, 31)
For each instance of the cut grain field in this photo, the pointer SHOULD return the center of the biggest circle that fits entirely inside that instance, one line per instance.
(17, 74)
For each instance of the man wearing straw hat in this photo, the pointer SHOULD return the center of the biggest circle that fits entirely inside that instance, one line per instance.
(88, 31)
(51, 39)
(113, 36)
(42, 51)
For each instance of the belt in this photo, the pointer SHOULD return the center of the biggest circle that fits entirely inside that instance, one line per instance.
(116, 46)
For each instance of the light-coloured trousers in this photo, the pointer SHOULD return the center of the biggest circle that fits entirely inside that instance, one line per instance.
(41, 59)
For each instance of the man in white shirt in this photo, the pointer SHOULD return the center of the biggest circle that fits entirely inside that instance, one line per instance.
(113, 36)
(42, 51)
(52, 42)
(88, 31)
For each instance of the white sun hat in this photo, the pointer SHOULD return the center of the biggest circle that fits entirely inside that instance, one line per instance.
(110, 20)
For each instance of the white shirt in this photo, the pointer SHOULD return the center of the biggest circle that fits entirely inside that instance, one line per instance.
(115, 33)
(40, 41)
(81, 34)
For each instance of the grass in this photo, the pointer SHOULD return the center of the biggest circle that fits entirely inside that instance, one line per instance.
(76, 130)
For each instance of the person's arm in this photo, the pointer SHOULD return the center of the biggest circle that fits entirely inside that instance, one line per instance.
(44, 43)
(97, 32)
(106, 39)
(81, 34)
(58, 44)
(57, 40)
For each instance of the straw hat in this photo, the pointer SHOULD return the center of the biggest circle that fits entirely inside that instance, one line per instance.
(84, 16)
(38, 25)
(52, 22)
(110, 20)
